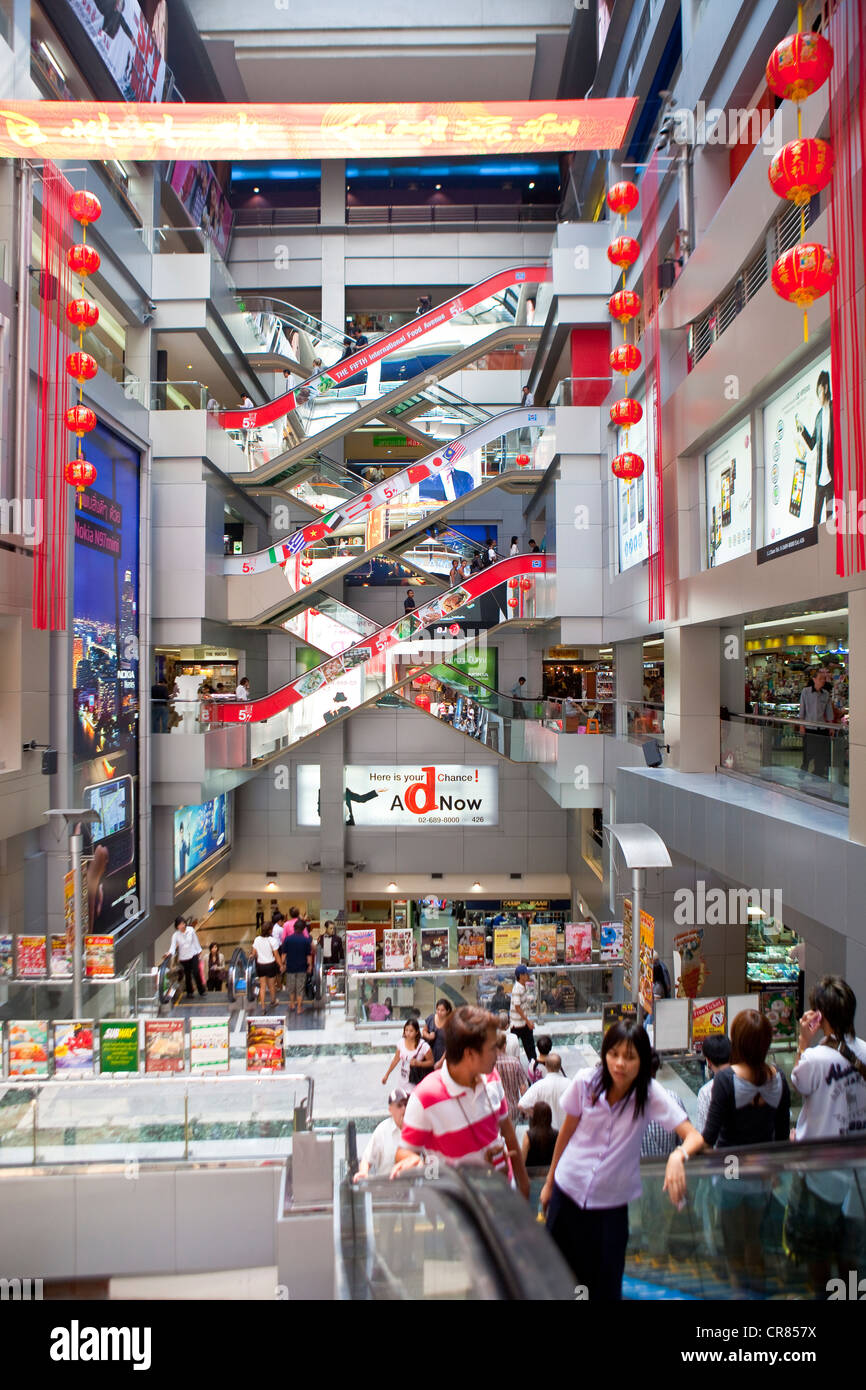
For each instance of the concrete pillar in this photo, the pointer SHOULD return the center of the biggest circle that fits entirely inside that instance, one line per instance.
(857, 716)
(692, 675)
(333, 214)
(628, 666)
(732, 677)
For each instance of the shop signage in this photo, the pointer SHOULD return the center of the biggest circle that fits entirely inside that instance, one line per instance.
(525, 904)
(411, 797)
(788, 546)
(118, 1045)
(127, 47)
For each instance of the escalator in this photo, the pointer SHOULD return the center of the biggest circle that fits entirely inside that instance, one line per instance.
(463, 1235)
(390, 656)
(391, 514)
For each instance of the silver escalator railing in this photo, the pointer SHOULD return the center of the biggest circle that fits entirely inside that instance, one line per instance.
(237, 974)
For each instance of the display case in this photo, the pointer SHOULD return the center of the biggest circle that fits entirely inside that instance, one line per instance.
(768, 954)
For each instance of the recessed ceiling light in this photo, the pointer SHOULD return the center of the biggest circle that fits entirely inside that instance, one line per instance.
(256, 189)
(476, 887)
(532, 185)
(391, 887)
(189, 366)
(438, 186)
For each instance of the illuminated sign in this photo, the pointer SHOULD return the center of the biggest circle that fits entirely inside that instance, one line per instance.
(396, 130)
(439, 794)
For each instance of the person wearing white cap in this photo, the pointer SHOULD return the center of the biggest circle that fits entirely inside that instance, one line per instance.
(380, 1154)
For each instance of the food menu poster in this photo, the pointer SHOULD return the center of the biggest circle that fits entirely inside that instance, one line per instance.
(610, 942)
(73, 1048)
(578, 943)
(507, 945)
(780, 1007)
(615, 1013)
(689, 952)
(209, 1045)
(397, 952)
(61, 957)
(709, 1018)
(98, 956)
(470, 948)
(28, 1048)
(31, 957)
(163, 1045)
(647, 945)
(5, 957)
(118, 1045)
(542, 945)
(434, 949)
(361, 949)
(264, 1044)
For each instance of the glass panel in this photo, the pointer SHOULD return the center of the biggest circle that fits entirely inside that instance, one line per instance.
(574, 991)
(808, 758)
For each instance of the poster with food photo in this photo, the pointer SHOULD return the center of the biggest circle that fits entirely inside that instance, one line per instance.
(434, 949)
(163, 1045)
(5, 957)
(542, 944)
(265, 1044)
(398, 948)
(31, 957)
(98, 956)
(578, 943)
(470, 947)
(61, 957)
(28, 1047)
(73, 1048)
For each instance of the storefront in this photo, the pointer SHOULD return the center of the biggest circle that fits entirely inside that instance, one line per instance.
(782, 657)
(568, 672)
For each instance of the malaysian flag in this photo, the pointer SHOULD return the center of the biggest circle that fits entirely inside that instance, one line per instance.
(295, 543)
(454, 452)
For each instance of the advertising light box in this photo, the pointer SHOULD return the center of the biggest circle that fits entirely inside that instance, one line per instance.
(728, 473)
(200, 833)
(798, 454)
(436, 794)
(632, 521)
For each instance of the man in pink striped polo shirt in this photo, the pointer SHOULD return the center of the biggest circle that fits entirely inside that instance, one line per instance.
(460, 1113)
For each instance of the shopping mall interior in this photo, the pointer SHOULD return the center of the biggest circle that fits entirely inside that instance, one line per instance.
(431, 514)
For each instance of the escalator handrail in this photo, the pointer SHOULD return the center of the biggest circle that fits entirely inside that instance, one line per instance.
(773, 1159)
(359, 361)
(255, 711)
(237, 962)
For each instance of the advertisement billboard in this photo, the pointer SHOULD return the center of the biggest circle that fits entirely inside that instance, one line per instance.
(105, 677)
(361, 949)
(204, 201)
(209, 1045)
(632, 519)
(542, 945)
(398, 951)
(73, 1048)
(728, 475)
(798, 454)
(265, 1044)
(118, 1045)
(127, 45)
(507, 943)
(578, 943)
(28, 1047)
(163, 1045)
(200, 832)
(440, 794)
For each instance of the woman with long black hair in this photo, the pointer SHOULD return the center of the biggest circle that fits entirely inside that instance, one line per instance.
(595, 1170)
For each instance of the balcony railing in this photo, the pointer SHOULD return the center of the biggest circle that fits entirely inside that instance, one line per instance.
(643, 719)
(384, 216)
(808, 758)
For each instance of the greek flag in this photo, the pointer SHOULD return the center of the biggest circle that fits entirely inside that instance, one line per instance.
(295, 543)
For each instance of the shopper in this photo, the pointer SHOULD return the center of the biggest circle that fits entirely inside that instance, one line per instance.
(380, 1154)
(296, 950)
(533, 548)
(412, 1055)
(409, 601)
(185, 944)
(527, 398)
(816, 708)
(825, 1215)
(750, 1104)
(260, 913)
(658, 1141)
(716, 1052)
(539, 1141)
(512, 1076)
(515, 546)
(595, 1170)
(216, 968)
(549, 1090)
(537, 1070)
(433, 1031)
(512, 1045)
(243, 689)
(459, 1114)
(517, 694)
(267, 966)
(521, 1024)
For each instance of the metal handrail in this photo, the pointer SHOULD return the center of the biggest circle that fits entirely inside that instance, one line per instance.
(237, 964)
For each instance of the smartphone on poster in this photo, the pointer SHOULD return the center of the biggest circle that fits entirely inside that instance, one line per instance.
(797, 486)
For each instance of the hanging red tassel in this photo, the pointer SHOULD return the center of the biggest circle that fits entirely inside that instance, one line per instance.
(847, 215)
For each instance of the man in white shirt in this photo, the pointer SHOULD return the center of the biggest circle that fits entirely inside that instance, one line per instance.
(549, 1089)
(380, 1154)
(185, 943)
(243, 689)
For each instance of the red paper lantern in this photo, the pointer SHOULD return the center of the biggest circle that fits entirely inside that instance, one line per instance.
(80, 419)
(626, 412)
(313, 612)
(82, 312)
(81, 366)
(513, 602)
(804, 273)
(79, 473)
(84, 207)
(305, 579)
(422, 701)
(306, 562)
(624, 305)
(526, 583)
(623, 198)
(513, 583)
(422, 680)
(84, 260)
(801, 169)
(799, 65)
(623, 251)
(627, 465)
(522, 460)
(625, 358)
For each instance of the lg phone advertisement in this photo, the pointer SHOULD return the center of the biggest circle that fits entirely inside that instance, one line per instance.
(105, 678)
(438, 794)
(728, 472)
(799, 454)
(632, 497)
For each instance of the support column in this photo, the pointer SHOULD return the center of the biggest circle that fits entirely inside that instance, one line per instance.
(857, 716)
(692, 675)
(333, 215)
(732, 680)
(332, 812)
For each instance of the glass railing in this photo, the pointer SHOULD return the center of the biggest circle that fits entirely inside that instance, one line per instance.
(561, 991)
(463, 1234)
(643, 719)
(807, 758)
(770, 1222)
(109, 997)
(178, 395)
(581, 390)
(168, 1117)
